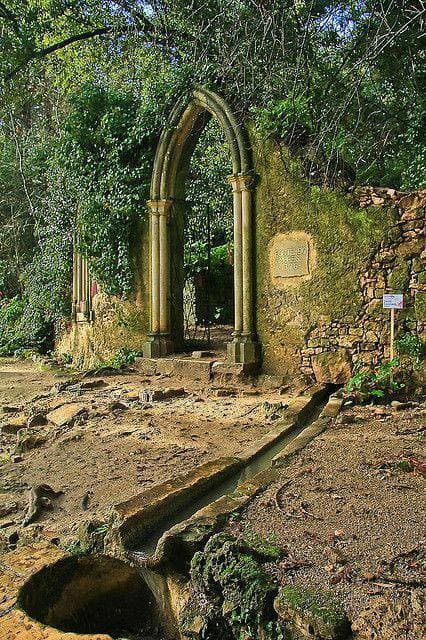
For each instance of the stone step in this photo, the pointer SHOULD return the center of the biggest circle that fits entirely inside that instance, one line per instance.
(202, 370)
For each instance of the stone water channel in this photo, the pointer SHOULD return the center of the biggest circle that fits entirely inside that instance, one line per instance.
(134, 596)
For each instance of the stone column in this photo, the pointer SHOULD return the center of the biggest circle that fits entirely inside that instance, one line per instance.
(243, 348)
(247, 255)
(155, 267)
(74, 284)
(233, 347)
(164, 207)
(159, 343)
(249, 348)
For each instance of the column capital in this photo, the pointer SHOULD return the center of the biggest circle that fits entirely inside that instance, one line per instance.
(241, 182)
(159, 207)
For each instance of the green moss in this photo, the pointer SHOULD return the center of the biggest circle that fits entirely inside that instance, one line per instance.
(322, 605)
(234, 593)
(400, 277)
(420, 306)
(422, 277)
(131, 318)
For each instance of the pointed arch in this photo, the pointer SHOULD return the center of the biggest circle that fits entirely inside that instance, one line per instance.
(174, 151)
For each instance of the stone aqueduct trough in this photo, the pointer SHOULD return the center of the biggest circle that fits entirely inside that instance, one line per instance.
(135, 583)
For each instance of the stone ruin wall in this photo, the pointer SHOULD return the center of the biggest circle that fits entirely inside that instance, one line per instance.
(399, 266)
(316, 325)
(326, 348)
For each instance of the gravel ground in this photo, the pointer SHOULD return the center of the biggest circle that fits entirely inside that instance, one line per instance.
(349, 512)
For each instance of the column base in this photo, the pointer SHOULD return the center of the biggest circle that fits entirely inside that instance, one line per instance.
(243, 350)
(158, 346)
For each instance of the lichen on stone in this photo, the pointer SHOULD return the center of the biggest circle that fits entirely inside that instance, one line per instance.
(232, 595)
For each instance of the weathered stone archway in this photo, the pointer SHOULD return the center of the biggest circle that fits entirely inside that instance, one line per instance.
(174, 151)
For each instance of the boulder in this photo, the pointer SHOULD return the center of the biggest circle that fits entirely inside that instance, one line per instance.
(332, 367)
(316, 614)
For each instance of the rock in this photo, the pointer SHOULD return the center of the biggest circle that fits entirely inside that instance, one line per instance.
(410, 248)
(399, 406)
(317, 614)
(118, 405)
(40, 498)
(273, 409)
(224, 393)
(29, 439)
(37, 420)
(13, 425)
(67, 414)
(8, 508)
(92, 384)
(154, 395)
(91, 534)
(202, 354)
(332, 367)
(345, 419)
(174, 393)
(150, 395)
(10, 409)
(132, 394)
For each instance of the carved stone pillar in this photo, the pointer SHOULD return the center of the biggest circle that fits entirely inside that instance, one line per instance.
(74, 303)
(243, 349)
(159, 343)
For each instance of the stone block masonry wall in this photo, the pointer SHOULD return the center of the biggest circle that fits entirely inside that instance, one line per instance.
(398, 266)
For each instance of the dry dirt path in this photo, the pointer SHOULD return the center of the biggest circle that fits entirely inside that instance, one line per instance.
(349, 511)
(21, 380)
(113, 446)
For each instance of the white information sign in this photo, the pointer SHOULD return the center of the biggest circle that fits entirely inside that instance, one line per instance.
(393, 301)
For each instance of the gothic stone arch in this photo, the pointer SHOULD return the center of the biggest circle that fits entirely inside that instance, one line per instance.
(174, 151)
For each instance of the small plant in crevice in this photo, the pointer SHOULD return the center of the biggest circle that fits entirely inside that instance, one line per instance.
(410, 350)
(121, 358)
(380, 383)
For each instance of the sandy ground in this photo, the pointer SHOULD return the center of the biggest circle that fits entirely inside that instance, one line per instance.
(21, 380)
(118, 447)
(349, 512)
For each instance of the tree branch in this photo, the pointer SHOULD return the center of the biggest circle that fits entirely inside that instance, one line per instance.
(62, 44)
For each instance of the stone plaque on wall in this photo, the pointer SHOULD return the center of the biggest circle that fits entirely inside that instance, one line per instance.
(291, 258)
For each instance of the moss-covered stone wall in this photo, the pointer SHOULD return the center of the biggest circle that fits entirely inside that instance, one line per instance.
(361, 244)
(365, 242)
(117, 323)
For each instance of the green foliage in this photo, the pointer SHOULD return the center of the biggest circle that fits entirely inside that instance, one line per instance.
(288, 119)
(102, 154)
(409, 344)
(73, 547)
(22, 326)
(121, 358)
(380, 383)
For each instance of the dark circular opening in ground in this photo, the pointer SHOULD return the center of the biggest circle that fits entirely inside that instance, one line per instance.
(92, 594)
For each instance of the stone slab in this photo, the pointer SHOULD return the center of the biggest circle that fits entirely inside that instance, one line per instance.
(292, 258)
(145, 511)
(193, 369)
(66, 414)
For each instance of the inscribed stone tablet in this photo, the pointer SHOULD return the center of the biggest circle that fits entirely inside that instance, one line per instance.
(291, 258)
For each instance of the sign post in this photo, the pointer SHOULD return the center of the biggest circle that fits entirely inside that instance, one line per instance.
(393, 301)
